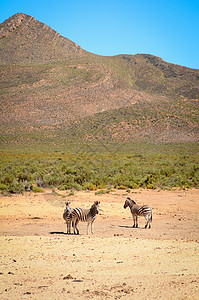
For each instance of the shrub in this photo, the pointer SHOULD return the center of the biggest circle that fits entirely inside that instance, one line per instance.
(89, 186)
(15, 188)
(72, 192)
(37, 189)
(77, 186)
(121, 187)
(61, 187)
(100, 192)
(150, 186)
(134, 186)
(3, 187)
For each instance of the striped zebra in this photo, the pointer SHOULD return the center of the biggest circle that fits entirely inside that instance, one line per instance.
(137, 210)
(85, 215)
(67, 216)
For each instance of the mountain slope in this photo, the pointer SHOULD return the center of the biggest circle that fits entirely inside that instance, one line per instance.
(50, 87)
(25, 40)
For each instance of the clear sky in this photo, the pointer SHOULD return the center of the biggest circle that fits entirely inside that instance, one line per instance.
(165, 28)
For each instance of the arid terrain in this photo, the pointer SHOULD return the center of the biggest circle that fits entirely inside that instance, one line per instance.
(70, 121)
(40, 261)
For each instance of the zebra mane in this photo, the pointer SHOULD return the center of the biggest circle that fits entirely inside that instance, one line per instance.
(95, 203)
(130, 200)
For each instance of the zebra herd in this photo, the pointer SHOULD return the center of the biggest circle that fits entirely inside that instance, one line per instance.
(73, 216)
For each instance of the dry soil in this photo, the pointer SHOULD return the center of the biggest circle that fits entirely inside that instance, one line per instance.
(40, 261)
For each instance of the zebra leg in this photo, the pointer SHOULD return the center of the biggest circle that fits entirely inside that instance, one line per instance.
(77, 230)
(88, 227)
(136, 219)
(74, 224)
(67, 227)
(92, 226)
(150, 220)
(133, 221)
(147, 221)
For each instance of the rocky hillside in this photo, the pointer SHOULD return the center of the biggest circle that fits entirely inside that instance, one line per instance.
(51, 88)
(25, 40)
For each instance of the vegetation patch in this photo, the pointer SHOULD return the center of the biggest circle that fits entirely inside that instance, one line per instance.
(139, 166)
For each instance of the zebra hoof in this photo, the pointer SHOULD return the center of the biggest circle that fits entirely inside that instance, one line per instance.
(133, 226)
(146, 226)
(136, 226)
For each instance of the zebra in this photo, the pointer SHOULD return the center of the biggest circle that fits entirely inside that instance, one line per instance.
(85, 215)
(67, 216)
(137, 210)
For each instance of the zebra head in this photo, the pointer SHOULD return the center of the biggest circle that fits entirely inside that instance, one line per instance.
(68, 208)
(128, 202)
(95, 207)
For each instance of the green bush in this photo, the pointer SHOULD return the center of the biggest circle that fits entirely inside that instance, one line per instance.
(100, 192)
(89, 186)
(3, 187)
(134, 186)
(37, 189)
(15, 188)
(143, 166)
(121, 187)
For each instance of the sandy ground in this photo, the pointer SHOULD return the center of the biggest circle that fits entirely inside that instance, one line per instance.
(40, 261)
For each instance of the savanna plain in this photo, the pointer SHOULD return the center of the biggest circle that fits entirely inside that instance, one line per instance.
(81, 127)
(40, 261)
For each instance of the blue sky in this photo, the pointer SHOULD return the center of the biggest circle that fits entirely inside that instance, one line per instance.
(166, 28)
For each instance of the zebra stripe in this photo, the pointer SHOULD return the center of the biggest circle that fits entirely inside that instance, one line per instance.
(85, 215)
(137, 210)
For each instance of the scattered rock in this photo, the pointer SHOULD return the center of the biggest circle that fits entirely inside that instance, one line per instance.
(77, 280)
(68, 277)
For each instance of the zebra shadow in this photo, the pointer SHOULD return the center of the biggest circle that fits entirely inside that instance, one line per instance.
(58, 232)
(125, 226)
(130, 226)
(62, 233)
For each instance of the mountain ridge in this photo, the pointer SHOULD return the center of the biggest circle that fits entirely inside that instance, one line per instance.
(35, 32)
(52, 87)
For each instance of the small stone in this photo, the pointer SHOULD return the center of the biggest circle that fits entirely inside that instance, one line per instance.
(68, 277)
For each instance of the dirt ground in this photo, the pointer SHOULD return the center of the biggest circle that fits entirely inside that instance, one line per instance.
(40, 261)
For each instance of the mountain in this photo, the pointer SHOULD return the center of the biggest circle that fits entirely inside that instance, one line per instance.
(25, 40)
(51, 89)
